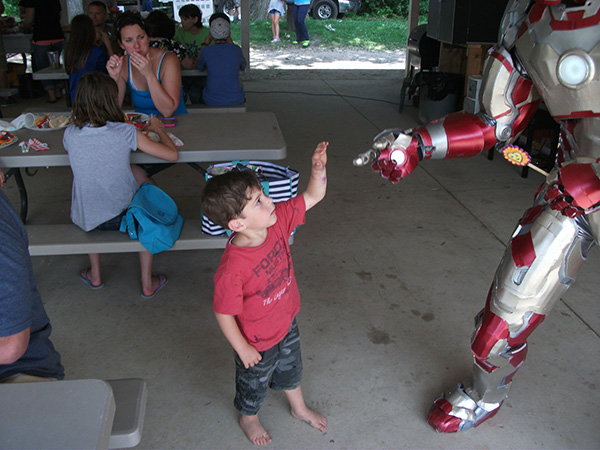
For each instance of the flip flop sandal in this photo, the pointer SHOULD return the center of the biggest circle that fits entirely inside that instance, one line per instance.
(162, 282)
(86, 280)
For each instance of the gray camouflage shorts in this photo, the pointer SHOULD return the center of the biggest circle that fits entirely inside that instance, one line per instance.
(280, 369)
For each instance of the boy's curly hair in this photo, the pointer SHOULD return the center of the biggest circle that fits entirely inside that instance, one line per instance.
(225, 196)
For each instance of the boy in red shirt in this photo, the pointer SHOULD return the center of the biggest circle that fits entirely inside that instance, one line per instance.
(256, 297)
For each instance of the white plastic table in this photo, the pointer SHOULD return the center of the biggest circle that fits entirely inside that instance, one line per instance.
(71, 414)
(209, 138)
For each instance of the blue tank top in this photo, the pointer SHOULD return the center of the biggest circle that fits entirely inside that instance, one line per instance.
(143, 100)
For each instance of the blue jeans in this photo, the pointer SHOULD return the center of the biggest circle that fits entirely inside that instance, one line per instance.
(280, 369)
(112, 224)
(192, 89)
(41, 61)
(300, 12)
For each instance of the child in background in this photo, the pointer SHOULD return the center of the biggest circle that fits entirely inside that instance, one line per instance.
(82, 55)
(223, 62)
(276, 10)
(161, 31)
(99, 144)
(193, 35)
(256, 305)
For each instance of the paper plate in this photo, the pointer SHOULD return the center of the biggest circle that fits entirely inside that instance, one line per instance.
(3, 139)
(50, 116)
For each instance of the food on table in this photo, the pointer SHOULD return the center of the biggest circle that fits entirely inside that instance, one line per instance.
(136, 119)
(133, 116)
(41, 122)
(59, 121)
(6, 138)
(47, 121)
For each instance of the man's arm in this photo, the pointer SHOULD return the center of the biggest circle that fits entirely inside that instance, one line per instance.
(317, 185)
(247, 353)
(13, 347)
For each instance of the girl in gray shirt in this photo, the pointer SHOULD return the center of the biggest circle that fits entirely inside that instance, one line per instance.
(99, 143)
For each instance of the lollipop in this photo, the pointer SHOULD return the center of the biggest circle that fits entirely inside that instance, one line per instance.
(519, 157)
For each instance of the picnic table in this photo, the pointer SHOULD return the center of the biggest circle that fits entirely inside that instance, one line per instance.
(60, 74)
(207, 138)
(90, 414)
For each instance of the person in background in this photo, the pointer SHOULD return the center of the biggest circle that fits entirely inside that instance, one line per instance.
(161, 30)
(153, 75)
(99, 15)
(3, 64)
(301, 8)
(195, 37)
(45, 18)
(236, 11)
(223, 62)
(147, 5)
(26, 351)
(99, 144)
(192, 33)
(110, 4)
(82, 55)
(22, 10)
(276, 10)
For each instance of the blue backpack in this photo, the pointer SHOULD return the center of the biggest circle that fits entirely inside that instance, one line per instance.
(153, 219)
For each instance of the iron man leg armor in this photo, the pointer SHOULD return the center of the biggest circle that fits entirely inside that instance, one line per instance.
(541, 262)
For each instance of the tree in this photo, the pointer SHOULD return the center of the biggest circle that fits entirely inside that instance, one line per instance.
(391, 7)
(11, 8)
(258, 9)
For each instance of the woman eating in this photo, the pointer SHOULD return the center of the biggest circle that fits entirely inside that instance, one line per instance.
(153, 74)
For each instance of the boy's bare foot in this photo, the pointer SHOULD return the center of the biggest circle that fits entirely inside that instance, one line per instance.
(311, 417)
(254, 430)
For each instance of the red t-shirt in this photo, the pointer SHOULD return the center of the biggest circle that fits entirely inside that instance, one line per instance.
(258, 285)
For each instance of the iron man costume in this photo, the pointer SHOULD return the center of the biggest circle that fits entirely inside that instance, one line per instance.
(547, 50)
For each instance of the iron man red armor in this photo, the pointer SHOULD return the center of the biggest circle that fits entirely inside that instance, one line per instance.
(547, 50)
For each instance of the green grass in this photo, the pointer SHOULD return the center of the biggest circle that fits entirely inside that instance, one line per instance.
(350, 32)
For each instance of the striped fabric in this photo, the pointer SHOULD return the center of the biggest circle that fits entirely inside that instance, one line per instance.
(279, 183)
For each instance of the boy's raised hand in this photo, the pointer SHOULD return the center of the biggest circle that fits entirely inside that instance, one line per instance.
(319, 158)
(317, 185)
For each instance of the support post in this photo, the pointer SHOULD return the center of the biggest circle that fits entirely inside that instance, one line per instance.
(245, 31)
(413, 22)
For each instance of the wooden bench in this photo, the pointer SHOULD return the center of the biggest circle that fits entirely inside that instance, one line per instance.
(195, 109)
(68, 239)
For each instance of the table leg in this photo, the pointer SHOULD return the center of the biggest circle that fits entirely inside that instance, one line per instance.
(68, 94)
(197, 167)
(22, 190)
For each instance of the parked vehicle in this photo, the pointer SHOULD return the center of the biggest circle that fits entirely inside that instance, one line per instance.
(330, 9)
(319, 9)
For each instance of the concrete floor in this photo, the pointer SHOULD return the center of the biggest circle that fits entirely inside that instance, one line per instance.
(391, 277)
